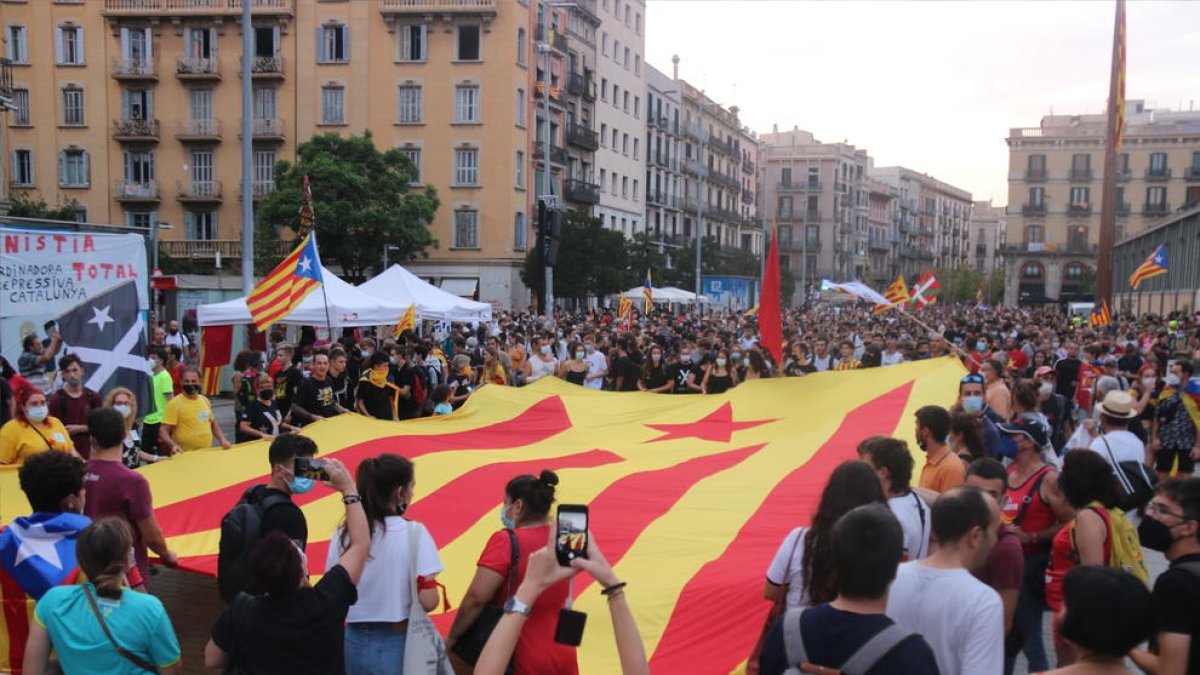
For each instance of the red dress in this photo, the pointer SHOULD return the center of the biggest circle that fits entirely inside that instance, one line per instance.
(537, 652)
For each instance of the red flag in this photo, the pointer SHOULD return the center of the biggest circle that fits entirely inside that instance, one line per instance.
(216, 346)
(770, 320)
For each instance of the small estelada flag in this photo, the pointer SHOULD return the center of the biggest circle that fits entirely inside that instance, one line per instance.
(406, 322)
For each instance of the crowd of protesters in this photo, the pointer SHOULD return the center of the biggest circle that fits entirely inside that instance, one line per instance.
(1017, 511)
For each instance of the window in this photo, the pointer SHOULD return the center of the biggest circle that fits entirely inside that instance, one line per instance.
(637, 64)
(520, 232)
(635, 148)
(603, 177)
(200, 110)
(1077, 238)
(72, 106)
(466, 166)
(466, 229)
(22, 168)
(625, 61)
(18, 45)
(466, 104)
(626, 98)
(616, 51)
(137, 104)
(139, 168)
(68, 46)
(1123, 164)
(410, 43)
(200, 225)
(1032, 270)
(1156, 197)
(521, 105)
(468, 43)
(140, 219)
(202, 172)
(414, 156)
(200, 43)
(1035, 234)
(1080, 197)
(604, 44)
(522, 47)
(264, 103)
(266, 42)
(635, 189)
(1158, 164)
(137, 49)
(603, 135)
(73, 168)
(333, 44)
(1037, 197)
(1081, 166)
(333, 104)
(637, 23)
(409, 104)
(783, 208)
(625, 187)
(263, 172)
(1074, 271)
(21, 116)
(624, 144)
(637, 106)
(519, 179)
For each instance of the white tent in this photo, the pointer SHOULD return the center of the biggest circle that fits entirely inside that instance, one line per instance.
(663, 294)
(347, 306)
(686, 297)
(398, 285)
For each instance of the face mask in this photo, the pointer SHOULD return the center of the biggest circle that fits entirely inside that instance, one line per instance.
(559, 334)
(921, 443)
(505, 520)
(720, 362)
(1154, 534)
(972, 404)
(191, 389)
(736, 355)
(266, 394)
(685, 358)
(155, 363)
(545, 350)
(1055, 345)
(123, 409)
(580, 355)
(1046, 388)
(173, 331)
(980, 346)
(72, 381)
(1171, 380)
(1149, 381)
(656, 357)
(299, 485)
(590, 348)
(366, 353)
(37, 413)
(746, 362)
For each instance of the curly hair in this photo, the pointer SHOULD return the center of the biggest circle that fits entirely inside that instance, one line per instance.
(852, 484)
(48, 478)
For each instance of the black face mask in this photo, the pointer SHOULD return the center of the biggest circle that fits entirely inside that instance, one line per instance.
(266, 394)
(1154, 534)
(191, 389)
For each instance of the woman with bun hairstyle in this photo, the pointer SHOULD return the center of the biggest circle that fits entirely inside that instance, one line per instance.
(525, 515)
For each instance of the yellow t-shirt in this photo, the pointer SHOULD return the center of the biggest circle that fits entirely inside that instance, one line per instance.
(20, 441)
(192, 422)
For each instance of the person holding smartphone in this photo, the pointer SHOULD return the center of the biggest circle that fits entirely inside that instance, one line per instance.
(525, 515)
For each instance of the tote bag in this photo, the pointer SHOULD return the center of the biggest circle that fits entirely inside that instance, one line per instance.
(424, 649)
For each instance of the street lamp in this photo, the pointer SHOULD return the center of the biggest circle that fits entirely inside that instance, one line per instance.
(548, 200)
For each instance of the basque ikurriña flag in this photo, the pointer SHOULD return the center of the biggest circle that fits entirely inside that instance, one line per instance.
(107, 333)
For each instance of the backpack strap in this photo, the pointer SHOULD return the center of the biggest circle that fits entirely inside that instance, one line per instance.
(875, 650)
(1035, 489)
(514, 561)
(793, 640)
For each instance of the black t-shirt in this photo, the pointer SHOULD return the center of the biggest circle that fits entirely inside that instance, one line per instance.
(656, 378)
(460, 385)
(297, 633)
(343, 389)
(627, 370)
(316, 397)
(831, 636)
(1177, 594)
(1055, 410)
(264, 417)
(285, 392)
(680, 373)
(1068, 373)
(405, 376)
(6, 395)
(380, 402)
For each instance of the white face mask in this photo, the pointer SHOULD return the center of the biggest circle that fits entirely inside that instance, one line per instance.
(1046, 388)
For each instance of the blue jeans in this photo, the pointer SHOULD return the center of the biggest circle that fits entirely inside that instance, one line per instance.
(374, 649)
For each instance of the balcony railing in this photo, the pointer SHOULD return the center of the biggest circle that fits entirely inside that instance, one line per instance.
(265, 67)
(265, 129)
(727, 147)
(583, 136)
(810, 186)
(558, 154)
(1079, 210)
(693, 130)
(747, 198)
(1156, 208)
(1193, 172)
(539, 91)
(135, 130)
(695, 167)
(192, 7)
(135, 69)
(437, 6)
(1035, 174)
(1158, 174)
(262, 188)
(557, 39)
(1033, 209)
(725, 180)
(656, 198)
(581, 191)
(198, 191)
(1124, 209)
(748, 167)
(135, 191)
(198, 130)
(209, 249)
(664, 160)
(196, 68)
(1081, 174)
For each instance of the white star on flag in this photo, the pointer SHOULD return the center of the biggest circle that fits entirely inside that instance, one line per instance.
(36, 541)
(101, 317)
(305, 263)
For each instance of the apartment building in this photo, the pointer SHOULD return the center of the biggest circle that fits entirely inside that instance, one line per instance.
(133, 109)
(664, 181)
(751, 229)
(818, 195)
(579, 62)
(883, 240)
(1054, 194)
(932, 223)
(986, 236)
(621, 158)
(6, 104)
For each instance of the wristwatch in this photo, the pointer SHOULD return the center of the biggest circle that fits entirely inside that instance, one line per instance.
(515, 605)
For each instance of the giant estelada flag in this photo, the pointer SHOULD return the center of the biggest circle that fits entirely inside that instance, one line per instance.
(107, 333)
(689, 496)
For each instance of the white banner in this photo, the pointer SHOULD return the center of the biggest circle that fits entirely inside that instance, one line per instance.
(44, 273)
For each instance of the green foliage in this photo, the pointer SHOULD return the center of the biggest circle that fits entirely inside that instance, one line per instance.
(362, 203)
(27, 206)
(592, 260)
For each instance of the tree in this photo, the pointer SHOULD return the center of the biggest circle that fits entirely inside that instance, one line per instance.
(644, 252)
(592, 261)
(361, 200)
(25, 206)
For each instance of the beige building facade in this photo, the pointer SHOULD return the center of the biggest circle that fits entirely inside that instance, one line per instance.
(133, 109)
(987, 229)
(933, 222)
(1054, 194)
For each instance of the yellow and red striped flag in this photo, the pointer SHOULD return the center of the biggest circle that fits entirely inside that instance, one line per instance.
(690, 496)
(287, 285)
(897, 295)
(1153, 266)
(648, 294)
(216, 346)
(406, 322)
(624, 308)
(1099, 316)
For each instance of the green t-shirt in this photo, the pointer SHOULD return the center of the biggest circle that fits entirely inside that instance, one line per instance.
(163, 386)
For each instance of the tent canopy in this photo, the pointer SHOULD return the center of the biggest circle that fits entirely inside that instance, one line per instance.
(347, 306)
(398, 285)
(663, 294)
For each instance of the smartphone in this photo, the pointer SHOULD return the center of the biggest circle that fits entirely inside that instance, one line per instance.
(571, 536)
(307, 467)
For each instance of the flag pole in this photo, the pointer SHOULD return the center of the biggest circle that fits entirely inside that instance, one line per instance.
(1112, 145)
(324, 296)
(931, 329)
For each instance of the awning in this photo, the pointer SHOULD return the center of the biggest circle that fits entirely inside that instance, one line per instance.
(463, 288)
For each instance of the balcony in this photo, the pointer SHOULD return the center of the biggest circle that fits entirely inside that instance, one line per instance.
(211, 249)
(135, 69)
(1079, 210)
(1124, 174)
(725, 180)
(156, 8)
(663, 160)
(656, 198)
(1193, 172)
(581, 191)
(1081, 174)
(810, 186)
(558, 154)
(432, 7)
(1124, 209)
(582, 136)
(694, 167)
(812, 215)
(135, 131)
(693, 130)
(1156, 208)
(747, 198)
(748, 167)
(198, 192)
(725, 147)
(588, 9)
(1033, 209)
(265, 68)
(1081, 247)
(262, 188)
(539, 92)
(270, 130)
(198, 131)
(1035, 175)
(195, 68)
(136, 191)
(557, 39)
(1158, 174)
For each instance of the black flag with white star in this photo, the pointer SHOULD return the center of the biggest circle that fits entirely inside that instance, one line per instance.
(107, 333)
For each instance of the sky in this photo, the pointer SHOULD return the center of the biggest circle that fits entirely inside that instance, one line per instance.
(933, 86)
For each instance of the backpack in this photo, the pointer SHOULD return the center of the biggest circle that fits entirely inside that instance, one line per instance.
(1125, 551)
(870, 653)
(418, 387)
(241, 530)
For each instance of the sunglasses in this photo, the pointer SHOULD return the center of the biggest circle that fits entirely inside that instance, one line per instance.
(973, 378)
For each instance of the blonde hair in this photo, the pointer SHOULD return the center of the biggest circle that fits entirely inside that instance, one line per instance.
(112, 396)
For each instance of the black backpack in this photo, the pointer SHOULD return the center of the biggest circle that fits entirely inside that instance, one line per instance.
(241, 530)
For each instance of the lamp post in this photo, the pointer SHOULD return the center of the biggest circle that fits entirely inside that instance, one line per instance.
(247, 151)
(548, 200)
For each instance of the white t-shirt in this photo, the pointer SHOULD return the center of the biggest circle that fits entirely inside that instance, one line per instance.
(1125, 446)
(960, 617)
(787, 568)
(913, 514)
(384, 591)
(822, 362)
(179, 339)
(596, 364)
(892, 359)
(539, 368)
